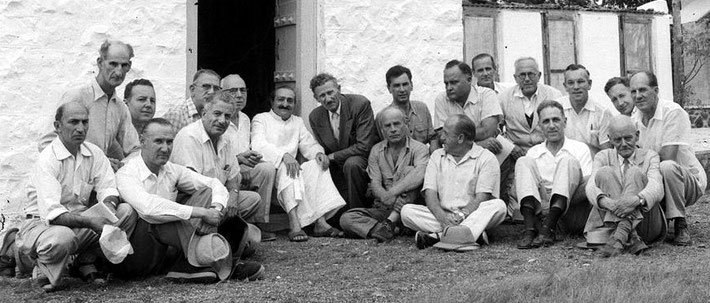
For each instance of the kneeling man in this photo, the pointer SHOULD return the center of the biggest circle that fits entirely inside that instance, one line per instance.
(460, 188)
(552, 176)
(306, 192)
(625, 182)
(396, 168)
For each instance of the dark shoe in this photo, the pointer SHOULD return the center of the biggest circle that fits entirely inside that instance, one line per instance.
(383, 231)
(611, 249)
(183, 272)
(636, 246)
(545, 238)
(527, 240)
(267, 236)
(682, 238)
(89, 274)
(423, 240)
(247, 270)
(7, 253)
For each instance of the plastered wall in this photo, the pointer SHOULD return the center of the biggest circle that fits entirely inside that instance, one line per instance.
(48, 46)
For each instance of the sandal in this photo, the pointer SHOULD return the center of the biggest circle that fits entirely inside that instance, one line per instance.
(298, 236)
(330, 232)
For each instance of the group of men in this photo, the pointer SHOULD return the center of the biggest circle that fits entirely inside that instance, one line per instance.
(192, 190)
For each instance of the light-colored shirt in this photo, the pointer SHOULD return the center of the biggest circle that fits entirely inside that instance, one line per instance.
(480, 104)
(418, 120)
(590, 125)
(670, 125)
(273, 137)
(238, 135)
(383, 170)
(547, 162)
(110, 124)
(61, 182)
(182, 114)
(153, 197)
(499, 87)
(194, 149)
(515, 106)
(458, 182)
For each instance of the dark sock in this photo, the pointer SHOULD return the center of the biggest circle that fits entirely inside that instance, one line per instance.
(623, 231)
(680, 223)
(551, 220)
(527, 209)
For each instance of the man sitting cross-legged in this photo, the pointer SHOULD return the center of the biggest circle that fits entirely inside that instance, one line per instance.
(625, 181)
(306, 192)
(552, 176)
(460, 188)
(396, 168)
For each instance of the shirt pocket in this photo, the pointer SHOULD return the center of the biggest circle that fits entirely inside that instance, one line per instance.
(419, 132)
(84, 191)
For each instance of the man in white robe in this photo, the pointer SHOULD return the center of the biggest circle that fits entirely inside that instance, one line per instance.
(306, 192)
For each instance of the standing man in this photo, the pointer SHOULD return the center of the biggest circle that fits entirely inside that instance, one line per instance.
(619, 93)
(478, 103)
(67, 172)
(140, 99)
(460, 188)
(396, 168)
(417, 115)
(110, 121)
(587, 121)
(625, 183)
(202, 147)
(305, 191)
(551, 177)
(486, 71)
(664, 128)
(345, 127)
(257, 175)
(205, 83)
(207, 219)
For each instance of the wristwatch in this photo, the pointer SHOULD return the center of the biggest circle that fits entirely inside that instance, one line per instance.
(642, 201)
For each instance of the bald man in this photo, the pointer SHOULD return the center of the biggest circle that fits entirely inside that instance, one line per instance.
(396, 166)
(625, 182)
(257, 175)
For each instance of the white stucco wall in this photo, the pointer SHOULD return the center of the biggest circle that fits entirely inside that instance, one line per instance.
(362, 39)
(48, 46)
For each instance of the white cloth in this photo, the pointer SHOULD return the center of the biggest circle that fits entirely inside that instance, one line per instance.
(590, 125)
(153, 197)
(547, 162)
(194, 149)
(114, 244)
(489, 214)
(61, 182)
(273, 137)
(238, 135)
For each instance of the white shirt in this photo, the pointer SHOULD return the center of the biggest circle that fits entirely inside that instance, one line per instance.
(61, 182)
(547, 163)
(590, 125)
(238, 135)
(193, 149)
(273, 137)
(153, 197)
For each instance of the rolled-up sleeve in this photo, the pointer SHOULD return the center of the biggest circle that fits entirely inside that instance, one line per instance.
(152, 208)
(190, 181)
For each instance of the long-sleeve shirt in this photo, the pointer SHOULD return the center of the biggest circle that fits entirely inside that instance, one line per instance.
(193, 149)
(547, 162)
(409, 168)
(61, 182)
(273, 137)
(110, 124)
(153, 196)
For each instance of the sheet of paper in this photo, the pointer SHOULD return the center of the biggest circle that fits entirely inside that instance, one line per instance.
(100, 210)
(505, 151)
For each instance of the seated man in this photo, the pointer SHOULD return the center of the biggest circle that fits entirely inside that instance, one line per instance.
(460, 188)
(551, 177)
(205, 83)
(257, 175)
(67, 172)
(396, 167)
(664, 127)
(625, 182)
(139, 96)
(306, 192)
(150, 183)
(345, 127)
(201, 147)
(619, 93)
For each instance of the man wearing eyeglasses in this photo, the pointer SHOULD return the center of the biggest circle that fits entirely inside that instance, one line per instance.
(204, 84)
(257, 175)
(521, 123)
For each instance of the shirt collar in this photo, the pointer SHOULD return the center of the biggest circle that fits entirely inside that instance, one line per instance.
(517, 92)
(567, 104)
(61, 152)
(658, 115)
(204, 137)
(406, 144)
(143, 170)
(631, 159)
(278, 118)
(472, 153)
(566, 146)
(337, 111)
(98, 92)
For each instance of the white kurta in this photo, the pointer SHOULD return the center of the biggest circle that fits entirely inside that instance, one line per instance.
(313, 190)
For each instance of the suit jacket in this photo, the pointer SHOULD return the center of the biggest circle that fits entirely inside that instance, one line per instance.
(357, 128)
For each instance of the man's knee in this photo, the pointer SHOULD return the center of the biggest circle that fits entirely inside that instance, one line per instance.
(354, 164)
(523, 163)
(604, 174)
(249, 200)
(56, 243)
(669, 168)
(263, 170)
(569, 161)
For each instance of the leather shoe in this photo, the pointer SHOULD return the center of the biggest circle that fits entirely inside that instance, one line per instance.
(682, 238)
(611, 249)
(528, 237)
(383, 231)
(423, 240)
(544, 238)
(636, 245)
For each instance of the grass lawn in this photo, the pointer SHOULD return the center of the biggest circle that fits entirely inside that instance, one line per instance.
(348, 270)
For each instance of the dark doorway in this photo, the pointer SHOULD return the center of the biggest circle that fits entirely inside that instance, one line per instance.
(237, 37)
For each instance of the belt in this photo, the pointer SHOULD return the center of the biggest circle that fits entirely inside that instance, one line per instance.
(31, 216)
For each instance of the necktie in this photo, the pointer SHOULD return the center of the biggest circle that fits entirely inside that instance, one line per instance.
(335, 123)
(625, 167)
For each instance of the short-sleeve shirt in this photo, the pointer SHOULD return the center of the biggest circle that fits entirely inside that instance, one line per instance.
(481, 103)
(193, 149)
(590, 125)
(670, 125)
(182, 114)
(418, 120)
(457, 182)
(547, 162)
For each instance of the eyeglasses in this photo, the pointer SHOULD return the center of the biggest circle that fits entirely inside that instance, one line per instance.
(242, 90)
(529, 75)
(208, 86)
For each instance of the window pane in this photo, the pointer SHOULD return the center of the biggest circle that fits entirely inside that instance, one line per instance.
(561, 33)
(480, 36)
(636, 46)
